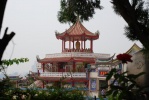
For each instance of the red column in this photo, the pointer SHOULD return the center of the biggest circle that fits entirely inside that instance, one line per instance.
(73, 70)
(73, 43)
(84, 44)
(58, 67)
(38, 73)
(73, 65)
(72, 83)
(43, 66)
(42, 84)
(91, 45)
(69, 44)
(88, 85)
(81, 44)
(62, 45)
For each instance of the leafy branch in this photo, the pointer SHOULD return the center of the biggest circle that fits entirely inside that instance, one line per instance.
(14, 61)
(6, 63)
(127, 88)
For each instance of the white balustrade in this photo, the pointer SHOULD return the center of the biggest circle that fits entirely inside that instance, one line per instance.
(78, 54)
(64, 74)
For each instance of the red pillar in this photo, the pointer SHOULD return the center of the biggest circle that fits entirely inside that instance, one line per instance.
(73, 65)
(42, 84)
(38, 73)
(84, 44)
(58, 67)
(87, 84)
(69, 44)
(73, 43)
(72, 83)
(62, 45)
(43, 66)
(73, 70)
(81, 44)
(91, 45)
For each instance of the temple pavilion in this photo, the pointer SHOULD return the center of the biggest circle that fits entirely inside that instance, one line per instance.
(72, 63)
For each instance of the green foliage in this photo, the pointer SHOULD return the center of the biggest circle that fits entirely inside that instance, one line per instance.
(136, 14)
(71, 9)
(65, 94)
(4, 89)
(5, 85)
(6, 63)
(142, 17)
(51, 93)
(14, 61)
(127, 87)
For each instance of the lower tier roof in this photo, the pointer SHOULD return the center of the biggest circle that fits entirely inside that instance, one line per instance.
(67, 59)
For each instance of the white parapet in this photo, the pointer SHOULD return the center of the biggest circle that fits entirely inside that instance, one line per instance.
(64, 74)
(78, 54)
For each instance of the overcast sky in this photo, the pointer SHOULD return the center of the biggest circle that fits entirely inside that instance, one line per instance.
(35, 23)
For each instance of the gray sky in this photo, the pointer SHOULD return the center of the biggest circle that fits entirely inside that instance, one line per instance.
(35, 23)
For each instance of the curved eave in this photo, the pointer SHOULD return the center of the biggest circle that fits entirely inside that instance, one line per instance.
(105, 60)
(93, 37)
(61, 36)
(135, 46)
(67, 59)
(50, 60)
(77, 30)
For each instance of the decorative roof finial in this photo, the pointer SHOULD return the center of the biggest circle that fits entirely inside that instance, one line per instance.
(78, 18)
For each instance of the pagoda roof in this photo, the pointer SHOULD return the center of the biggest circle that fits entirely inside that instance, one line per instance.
(76, 31)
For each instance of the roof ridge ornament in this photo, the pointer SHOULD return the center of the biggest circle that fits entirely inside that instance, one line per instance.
(37, 57)
(78, 18)
(97, 32)
(56, 32)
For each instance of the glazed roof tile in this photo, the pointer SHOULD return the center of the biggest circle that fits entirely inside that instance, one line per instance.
(78, 30)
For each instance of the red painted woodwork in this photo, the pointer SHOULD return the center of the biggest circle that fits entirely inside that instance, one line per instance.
(43, 67)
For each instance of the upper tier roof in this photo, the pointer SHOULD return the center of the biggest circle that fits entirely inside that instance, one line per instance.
(76, 32)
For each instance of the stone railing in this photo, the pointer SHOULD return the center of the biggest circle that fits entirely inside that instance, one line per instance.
(78, 54)
(64, 74)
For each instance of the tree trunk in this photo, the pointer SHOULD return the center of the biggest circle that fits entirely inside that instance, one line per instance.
(7, 37)
(128, 14)
(2, 10)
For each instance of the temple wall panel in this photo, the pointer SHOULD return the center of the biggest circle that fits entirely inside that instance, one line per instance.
(93, 74)
(138, 65)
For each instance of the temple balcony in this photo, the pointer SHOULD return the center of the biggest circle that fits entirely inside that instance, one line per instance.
(78, 50)
(64, 74)
(77, 54)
